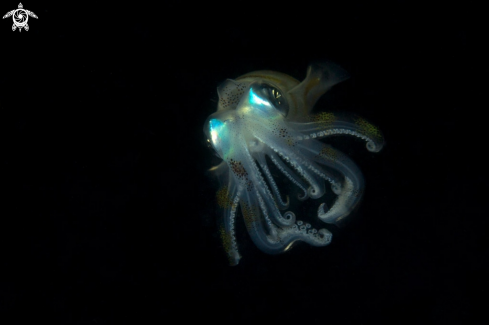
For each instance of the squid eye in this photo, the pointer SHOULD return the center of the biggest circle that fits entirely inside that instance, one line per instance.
(216, 132)
(265, 95)
(209, 144)
(212, 148)
(279, 101)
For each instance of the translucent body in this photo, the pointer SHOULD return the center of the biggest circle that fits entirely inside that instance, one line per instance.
(267, 113)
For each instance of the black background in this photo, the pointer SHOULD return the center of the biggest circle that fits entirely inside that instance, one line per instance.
(108, 216)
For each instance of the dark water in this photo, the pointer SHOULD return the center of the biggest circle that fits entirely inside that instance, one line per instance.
(108, 216)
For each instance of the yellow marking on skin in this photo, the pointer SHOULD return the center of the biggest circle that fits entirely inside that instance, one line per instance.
(248, 215)
(328, 153)
(340, 218)
(368, 128)
(226, 238)
(290, 141)
(226, 243)
(223, 199)
(324, 117)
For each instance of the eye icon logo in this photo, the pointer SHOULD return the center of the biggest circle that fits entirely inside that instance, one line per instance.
(20, 17)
